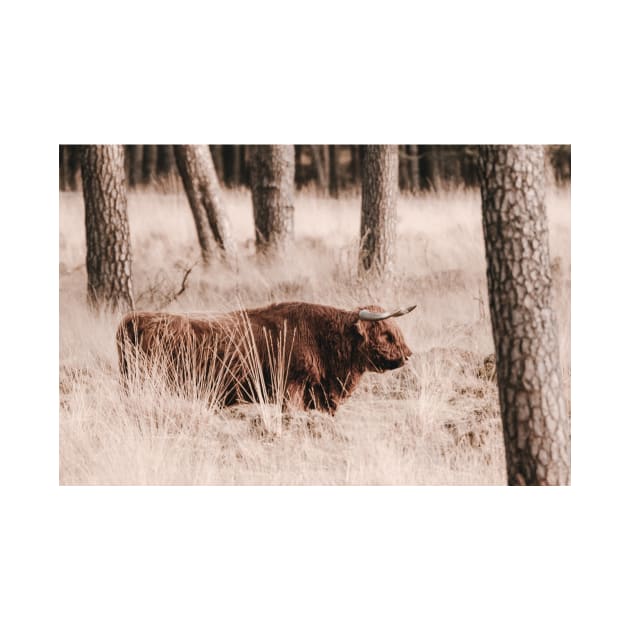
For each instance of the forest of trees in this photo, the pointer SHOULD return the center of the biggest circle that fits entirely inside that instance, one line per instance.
(331, 169)
(512, 185)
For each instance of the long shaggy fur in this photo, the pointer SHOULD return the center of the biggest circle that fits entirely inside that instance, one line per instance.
(323, 350)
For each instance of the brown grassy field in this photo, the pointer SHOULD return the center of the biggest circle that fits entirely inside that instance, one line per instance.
(435, 421)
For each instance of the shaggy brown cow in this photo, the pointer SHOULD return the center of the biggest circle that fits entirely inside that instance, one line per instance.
(311, 356)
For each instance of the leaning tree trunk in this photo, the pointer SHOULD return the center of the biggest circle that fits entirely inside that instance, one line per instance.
(272, 180)
(202, 189)
(535, 422)
(379, 192)
(106, 226)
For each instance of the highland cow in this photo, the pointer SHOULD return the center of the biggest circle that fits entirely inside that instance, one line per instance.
(308, 355)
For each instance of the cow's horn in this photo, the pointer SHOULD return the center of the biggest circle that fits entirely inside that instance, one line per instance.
(375, 317)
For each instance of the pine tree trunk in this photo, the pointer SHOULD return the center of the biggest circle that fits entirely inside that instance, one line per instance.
(379, 193)
(106, 226)
(272, 179)
(196, 168)
(535, 422)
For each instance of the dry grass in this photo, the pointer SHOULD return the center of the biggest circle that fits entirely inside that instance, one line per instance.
(435, 422)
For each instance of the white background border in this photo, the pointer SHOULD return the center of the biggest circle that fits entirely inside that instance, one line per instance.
(314, 557)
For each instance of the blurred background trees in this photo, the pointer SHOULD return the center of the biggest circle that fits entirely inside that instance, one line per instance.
(329, 169)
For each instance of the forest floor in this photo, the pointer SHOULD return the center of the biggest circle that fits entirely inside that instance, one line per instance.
(435, 421)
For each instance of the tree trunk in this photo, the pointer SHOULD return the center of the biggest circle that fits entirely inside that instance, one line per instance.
(272, 177)
(106, 226)
(149, 163)
(196, 168)
(379, 193)
(533, 409)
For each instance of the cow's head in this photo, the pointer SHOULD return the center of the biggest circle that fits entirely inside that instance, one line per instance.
(380, 344)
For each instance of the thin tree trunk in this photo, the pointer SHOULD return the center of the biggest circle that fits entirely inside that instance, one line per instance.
(533, 409)
(379, 193)
(333, 172)
(106, 226)
(196, 168)
(272, 180)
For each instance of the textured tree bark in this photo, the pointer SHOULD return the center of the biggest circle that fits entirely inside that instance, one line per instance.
(106, 226)
(379, 193)
(535, 423)
(149, 163)
(195, 166)
(333, 173)
(272, 180)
